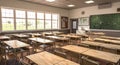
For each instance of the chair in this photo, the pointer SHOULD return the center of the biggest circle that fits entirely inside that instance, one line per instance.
(2, 60)
(87, 61)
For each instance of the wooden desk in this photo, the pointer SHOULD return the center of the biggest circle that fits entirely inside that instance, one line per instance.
(113, 58)
(15, 44)
(34, 34)
(56, 32)
(111, 46)
(103, 45)
(46, 58)
(47, 33)
(67, 62)
(58, 38)
(71, 36)
(83, 35)
(20, 35)
(112, 38)
(76, 49)
(41, 40)
(4, 37)
(98, 33)
(92, 43)
(108, 41)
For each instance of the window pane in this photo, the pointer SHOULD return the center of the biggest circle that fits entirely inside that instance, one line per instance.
(31, 24)
(20, 24)
(47, 16)
(31, 14)
(7, 24)
(40, 24)
(48, 24)
(54, 16)
(20, 14)
(54, 24)
(40, 15)
(7, 13)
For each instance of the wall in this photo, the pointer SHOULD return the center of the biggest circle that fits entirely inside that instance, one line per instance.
(18, 4)
(76, 13)
(32, 6)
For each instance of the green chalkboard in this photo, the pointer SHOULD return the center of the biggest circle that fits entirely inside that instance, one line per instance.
(105, 21)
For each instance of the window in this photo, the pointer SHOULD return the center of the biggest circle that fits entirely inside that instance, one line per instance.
(7, 24)
(40, 20)
(13, 19)
(55, 21)
(31, 23)
(20, 20)
(20, 14)
(47, 24)
(7, 13)
(7, 19)
(20, 24)
(48, 21)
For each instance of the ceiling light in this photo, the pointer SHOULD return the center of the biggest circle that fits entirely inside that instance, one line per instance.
(50, 0)
(89, 1)
(71, 5)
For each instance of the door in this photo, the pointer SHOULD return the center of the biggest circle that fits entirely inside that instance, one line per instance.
(74, 25)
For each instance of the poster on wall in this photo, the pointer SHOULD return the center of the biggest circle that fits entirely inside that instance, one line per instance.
(64, 22)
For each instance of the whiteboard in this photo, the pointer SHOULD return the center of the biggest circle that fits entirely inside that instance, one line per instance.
(84, 21)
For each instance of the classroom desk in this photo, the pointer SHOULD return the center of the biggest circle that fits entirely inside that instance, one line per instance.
(20, 35)
(92, 43)
(108, 41)
(46, 58)
(15, 44)
(98, 33)
(83, 35)
(57, 32)
(110, 46)
(34, 34)
(70, 36)
(58, 38)
(62, 39)
(47, 33)
(76, 49)
(4, 38)
(110, 57)
(112, 38)
(41, 40)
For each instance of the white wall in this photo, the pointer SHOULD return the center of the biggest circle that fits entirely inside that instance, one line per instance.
(76, 13)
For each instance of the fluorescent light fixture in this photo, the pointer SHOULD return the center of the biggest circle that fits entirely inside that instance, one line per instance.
(71, 5)
(50, 0)
(89, 1)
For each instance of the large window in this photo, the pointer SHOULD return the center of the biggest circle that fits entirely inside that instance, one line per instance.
(48, 21)
(20, 20)
(31, 23)
(40, 20)
(13, 19)
(7, 19)
(55, 20)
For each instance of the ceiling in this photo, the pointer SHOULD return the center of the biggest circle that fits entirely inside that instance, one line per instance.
(64, 3)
